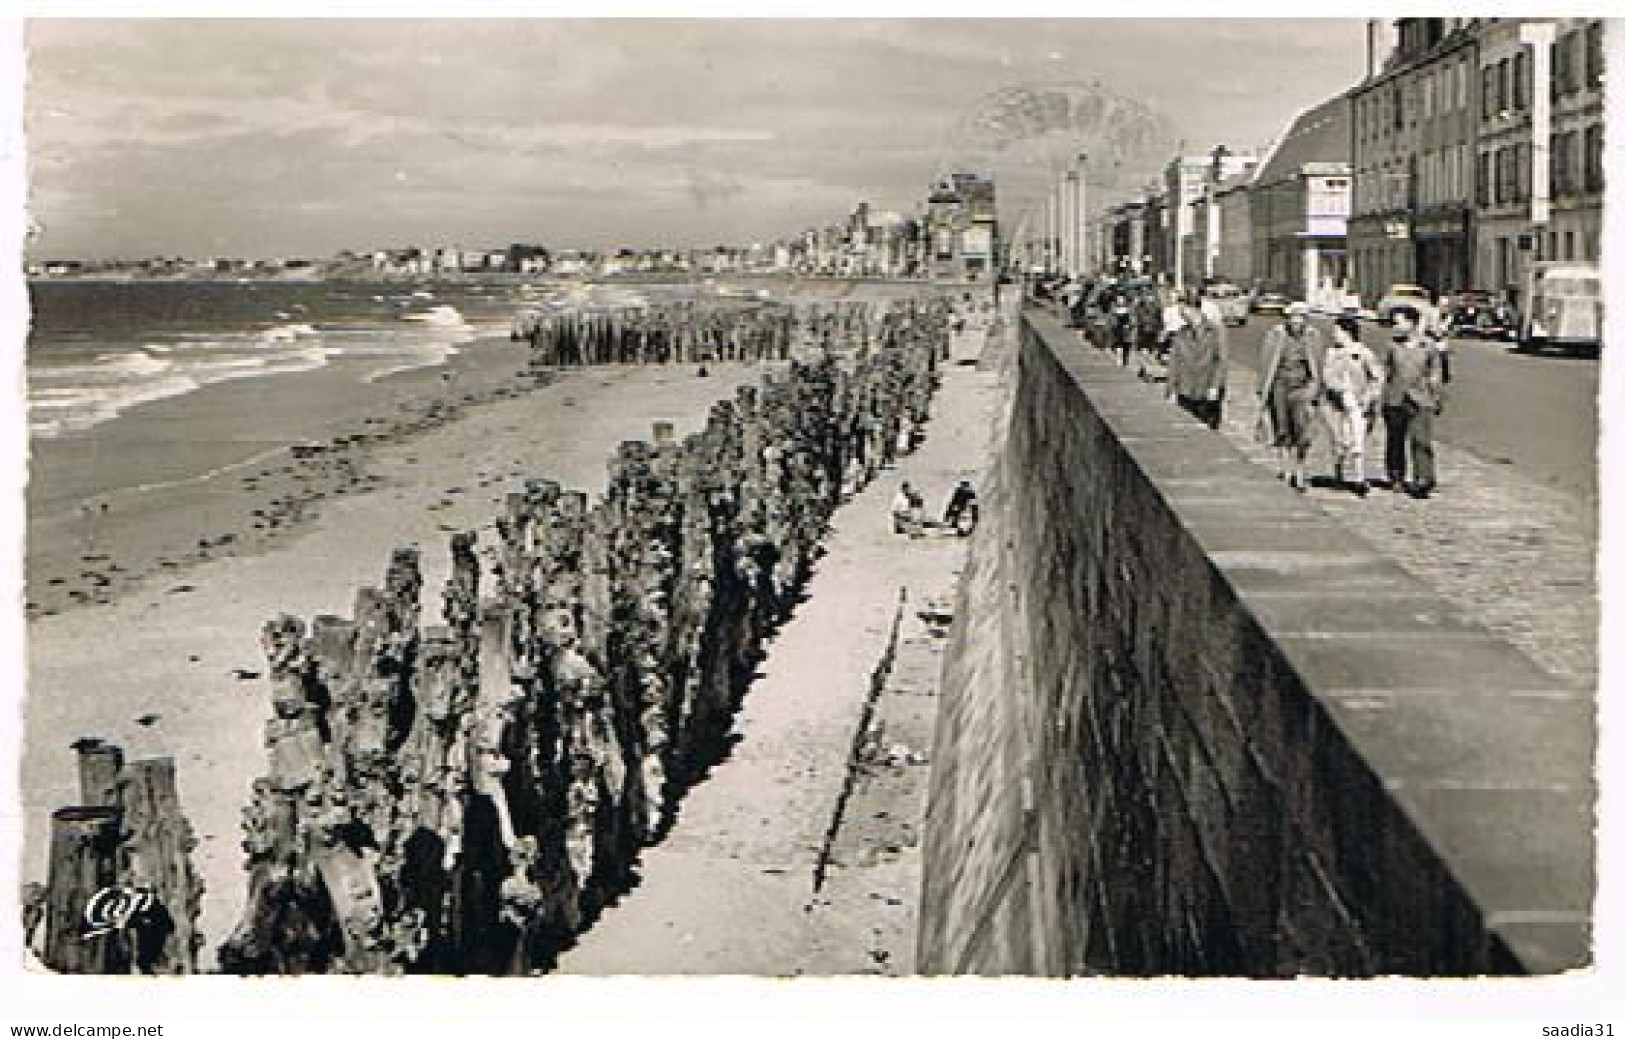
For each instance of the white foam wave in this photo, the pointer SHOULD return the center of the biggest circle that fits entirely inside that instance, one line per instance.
(443, 315)
(284, 333)
(71, 398)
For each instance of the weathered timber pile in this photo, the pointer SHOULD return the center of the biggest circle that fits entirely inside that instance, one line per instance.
(465, 797)
(120, 896)
(689, 331)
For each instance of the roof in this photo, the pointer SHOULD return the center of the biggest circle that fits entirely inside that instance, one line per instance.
(1319, 135)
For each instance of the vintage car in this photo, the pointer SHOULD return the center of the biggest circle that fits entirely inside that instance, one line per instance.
(1267, 299)
(1229, 301)
(1478, 313)
(1415, 296)
(1562, 305)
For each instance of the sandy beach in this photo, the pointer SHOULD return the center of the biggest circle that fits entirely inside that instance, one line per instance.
(731, 889)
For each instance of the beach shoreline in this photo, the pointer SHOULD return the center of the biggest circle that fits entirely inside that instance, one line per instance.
(247, 475)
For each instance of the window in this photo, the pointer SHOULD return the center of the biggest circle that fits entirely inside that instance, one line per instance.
(1521, 156)
(1520, 81)
(1503, 85)
(1560, 164)
(1568, 245)
(1593, 33)
(1399, 106)
(1486, 93)
(1593, 158)
(1481, 186)
(1565, 77)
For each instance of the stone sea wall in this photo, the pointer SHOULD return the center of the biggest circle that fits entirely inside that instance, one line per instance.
(1190, 725)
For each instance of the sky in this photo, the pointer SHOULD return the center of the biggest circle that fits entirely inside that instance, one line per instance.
(240, 137)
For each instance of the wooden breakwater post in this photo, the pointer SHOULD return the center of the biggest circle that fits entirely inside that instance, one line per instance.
(83, 863)
(120, 895)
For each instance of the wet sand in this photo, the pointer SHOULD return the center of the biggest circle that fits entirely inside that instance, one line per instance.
(229, 469)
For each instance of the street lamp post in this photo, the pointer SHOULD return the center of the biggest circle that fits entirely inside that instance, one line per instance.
(1081, 245)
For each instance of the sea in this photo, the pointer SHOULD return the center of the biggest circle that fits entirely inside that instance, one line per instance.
(119, 372)
(97, 349)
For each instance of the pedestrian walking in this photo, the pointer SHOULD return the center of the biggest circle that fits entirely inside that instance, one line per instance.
(1412, 396)
(1352, 379)
(1198, 360)
(1289, 389)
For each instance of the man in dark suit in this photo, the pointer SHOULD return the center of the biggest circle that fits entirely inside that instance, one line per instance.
(1412, 396)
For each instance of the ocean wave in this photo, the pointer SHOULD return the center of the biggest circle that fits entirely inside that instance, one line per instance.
(443, 315)
(283, 333)
(60, 410)
(74, 397)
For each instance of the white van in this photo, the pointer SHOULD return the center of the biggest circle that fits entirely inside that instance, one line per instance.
(1562, 305)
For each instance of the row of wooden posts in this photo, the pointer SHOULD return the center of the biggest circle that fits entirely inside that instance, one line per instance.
(465, 797)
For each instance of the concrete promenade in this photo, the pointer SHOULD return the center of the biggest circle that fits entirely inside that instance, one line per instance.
(730, 889)
(1513, 554)
(1509, 551)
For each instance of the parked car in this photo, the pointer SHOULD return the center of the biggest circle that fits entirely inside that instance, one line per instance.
(1230, 302)
(1562, 305)
(1474, 312)
(1415, 296)
(1269, 300)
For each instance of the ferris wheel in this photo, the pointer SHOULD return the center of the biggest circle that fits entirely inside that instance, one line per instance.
(1026, 136)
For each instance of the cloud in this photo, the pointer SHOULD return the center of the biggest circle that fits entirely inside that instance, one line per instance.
(179, 135)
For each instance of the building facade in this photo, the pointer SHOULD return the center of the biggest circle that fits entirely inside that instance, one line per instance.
(1234, 258)
(1186, 182)
(962, 228)
(1507, 237)
(1300, 203)
(1413, 141)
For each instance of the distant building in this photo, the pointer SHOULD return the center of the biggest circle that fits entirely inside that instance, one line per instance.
(1159, 258)
(1300, 207)
(1233, 256)
(1208, 225)
(1413, 141)
(1186, 180)
(1505, 237)
(962, 228)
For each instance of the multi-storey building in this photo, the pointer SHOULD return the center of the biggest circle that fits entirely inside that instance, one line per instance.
(1507, 234)
(1208, 224)
(1123, 239)
(1413, 141)
(1158, 259)
(1232, 199)
(1300, 207)
(962, 225)
(1186, 180)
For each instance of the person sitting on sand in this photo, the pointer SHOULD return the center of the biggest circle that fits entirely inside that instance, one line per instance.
(907, 508)
(961, 511)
